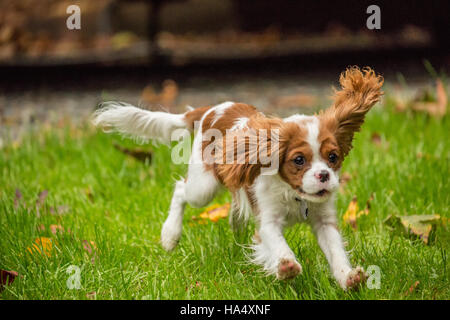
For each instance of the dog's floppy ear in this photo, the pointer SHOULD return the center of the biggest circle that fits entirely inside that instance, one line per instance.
(361, 89)
(251, 150)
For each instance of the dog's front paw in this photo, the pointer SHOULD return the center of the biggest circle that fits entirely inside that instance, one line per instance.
(288, 269)
(355, 277)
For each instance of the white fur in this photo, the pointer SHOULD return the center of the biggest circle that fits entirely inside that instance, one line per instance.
(171, 230)
(137, 123)
(219, 110)
(324, 225)
(278, 209)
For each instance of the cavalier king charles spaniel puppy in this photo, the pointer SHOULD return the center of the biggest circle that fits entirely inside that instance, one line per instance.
(280, 171)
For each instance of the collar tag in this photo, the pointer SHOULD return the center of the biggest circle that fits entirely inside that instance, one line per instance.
(303, 208)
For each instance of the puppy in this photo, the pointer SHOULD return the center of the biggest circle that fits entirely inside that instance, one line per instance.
(281, 171)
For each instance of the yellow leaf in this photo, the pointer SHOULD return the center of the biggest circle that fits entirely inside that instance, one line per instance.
(215, 212)
(353, 213)
(42, 245)
(350, 215)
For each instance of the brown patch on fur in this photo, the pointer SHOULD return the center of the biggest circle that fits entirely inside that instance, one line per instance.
(361, 89)
(223, 123)
(294, 144)
(194, 115)
(231, 114)
(247, 165)
(328, 144)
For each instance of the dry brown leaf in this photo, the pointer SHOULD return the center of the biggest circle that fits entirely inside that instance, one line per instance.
(138, 153)
(421, 226)
(6, 278)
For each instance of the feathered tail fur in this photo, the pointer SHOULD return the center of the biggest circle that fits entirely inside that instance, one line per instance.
(138, 123)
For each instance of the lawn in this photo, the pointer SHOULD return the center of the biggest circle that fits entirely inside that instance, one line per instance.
(112, 206)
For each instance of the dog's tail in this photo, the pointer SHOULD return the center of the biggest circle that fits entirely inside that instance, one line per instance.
(143, 124)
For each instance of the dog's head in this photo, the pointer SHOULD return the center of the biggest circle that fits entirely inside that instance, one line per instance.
(314, 147)
(310, 149)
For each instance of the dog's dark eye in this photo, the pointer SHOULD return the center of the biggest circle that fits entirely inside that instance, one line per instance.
(300, 160)
(332, 157)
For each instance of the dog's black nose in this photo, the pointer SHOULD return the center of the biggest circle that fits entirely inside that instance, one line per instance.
(324, 176)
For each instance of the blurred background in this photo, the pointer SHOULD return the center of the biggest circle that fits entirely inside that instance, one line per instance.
(282, 56)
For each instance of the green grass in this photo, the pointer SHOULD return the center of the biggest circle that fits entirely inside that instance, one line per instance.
(121, 203)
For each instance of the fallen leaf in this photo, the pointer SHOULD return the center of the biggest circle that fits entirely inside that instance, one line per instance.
(138, 153)
(421, 226)
(6, 278)
(215, 212)
(412, 288)
(42, 245)
(352, 213)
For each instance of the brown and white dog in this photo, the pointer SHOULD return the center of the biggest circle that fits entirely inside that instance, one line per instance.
(232, 143)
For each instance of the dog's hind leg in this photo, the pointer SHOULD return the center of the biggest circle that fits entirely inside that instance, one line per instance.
(201, 186)
(171, 230)
(198, 190)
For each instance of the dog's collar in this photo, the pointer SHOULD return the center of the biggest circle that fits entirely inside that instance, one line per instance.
(303, 207)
